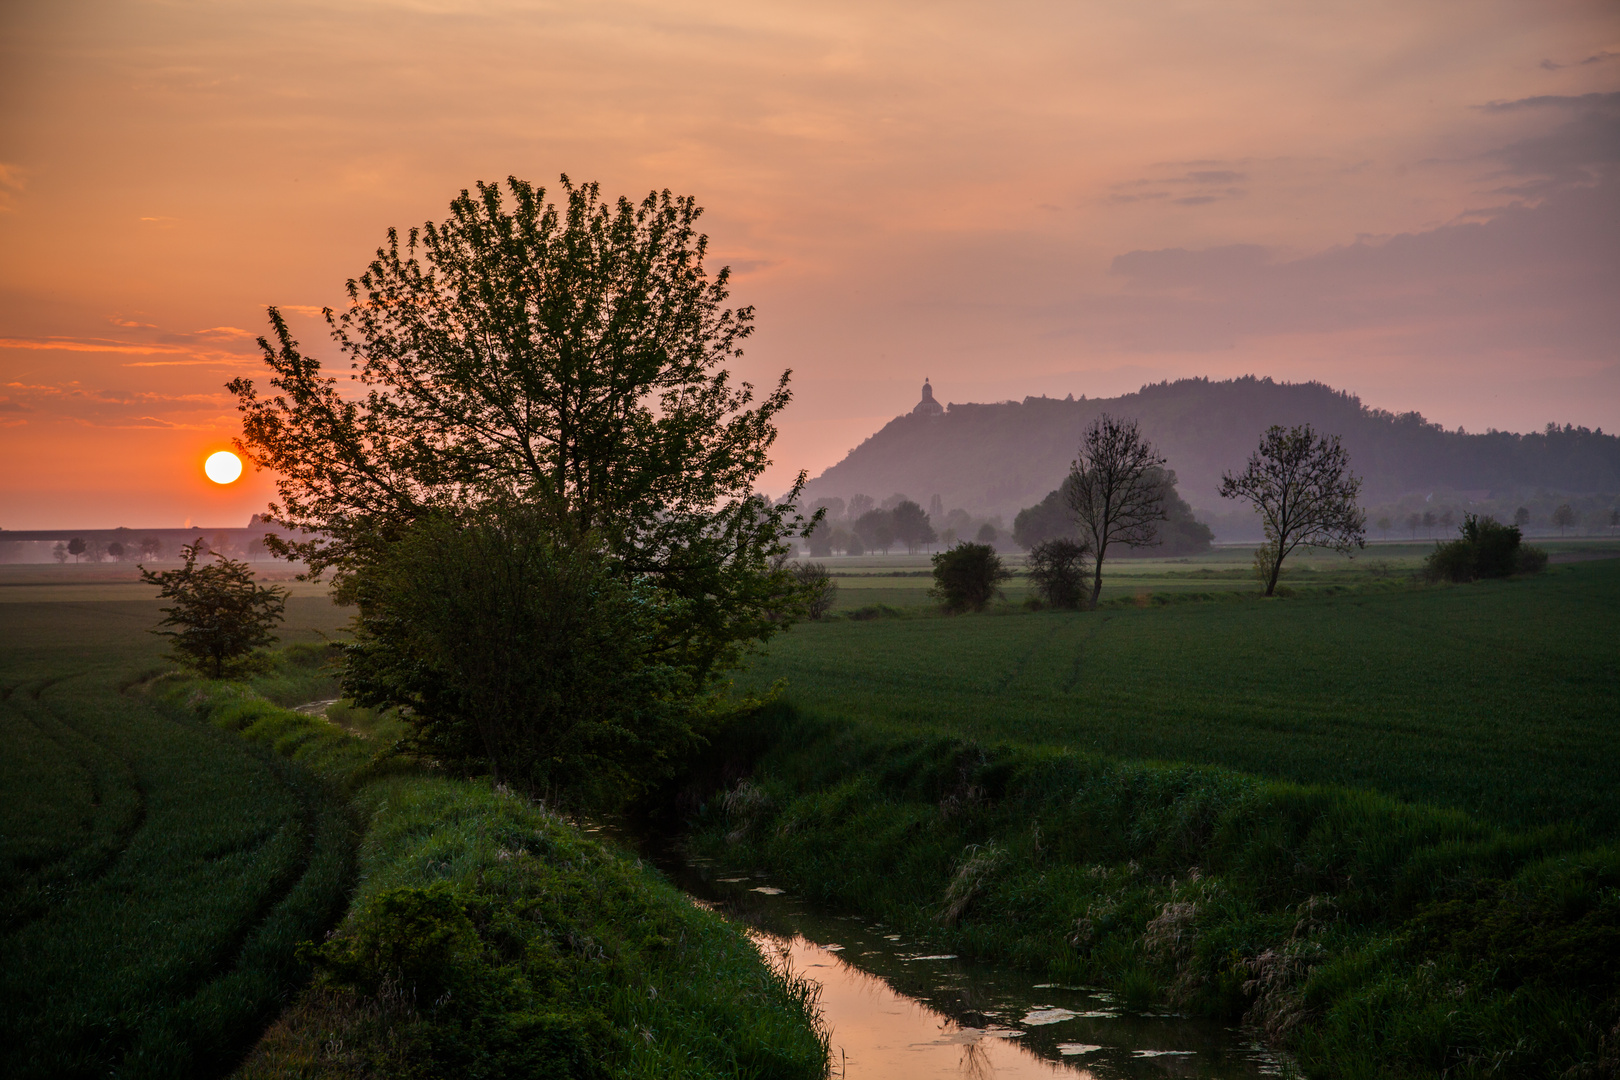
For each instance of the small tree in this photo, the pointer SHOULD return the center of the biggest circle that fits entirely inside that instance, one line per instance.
(1383, 526)
(1563, 517)
(60, 552)
(76, 547)
(911, 526)
(1429, 521)
(818, 589)
(1116, 490)
(1414, 520)
(1302, 488)
(116, 550)
(1521, 517)
(1057, 570)
(987, 534)
(221, 614)
(1614, 520)
(967, 577)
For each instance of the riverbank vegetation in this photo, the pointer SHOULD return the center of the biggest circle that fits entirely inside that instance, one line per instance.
(1387, 838)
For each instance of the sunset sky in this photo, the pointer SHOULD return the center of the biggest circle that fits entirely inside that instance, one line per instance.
(1414, 202)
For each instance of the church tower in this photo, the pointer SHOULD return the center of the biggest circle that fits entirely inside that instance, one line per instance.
(928, 406)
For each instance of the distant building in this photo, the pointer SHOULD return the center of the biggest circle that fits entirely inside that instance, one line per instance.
(928, 406)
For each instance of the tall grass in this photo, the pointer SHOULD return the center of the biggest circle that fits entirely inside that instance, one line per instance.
(1373, 937)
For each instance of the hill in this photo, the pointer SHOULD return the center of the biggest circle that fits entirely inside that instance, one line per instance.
(1000, 458)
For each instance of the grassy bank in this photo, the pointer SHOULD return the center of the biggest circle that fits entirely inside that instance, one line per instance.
(1498, 698)
(1371, 937)
(489, 938)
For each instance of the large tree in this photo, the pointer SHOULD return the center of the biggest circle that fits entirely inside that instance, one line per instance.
(1115, 490)
(566, 358)
(1302, 488)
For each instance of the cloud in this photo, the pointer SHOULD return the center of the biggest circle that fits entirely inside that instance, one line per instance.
(1538, 279)
(1213, 184)
(1587, 139)
(69, 345)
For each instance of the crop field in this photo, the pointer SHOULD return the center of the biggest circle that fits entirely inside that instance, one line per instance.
(155, 876)
(1501, 698)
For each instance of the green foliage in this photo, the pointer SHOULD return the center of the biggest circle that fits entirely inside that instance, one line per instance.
(1484, 549)
(568, 359)
(911, 525)
(222, 613)
(1057, 572)
(512, 652)
(967, 577)
(1371, 937)
(491, 939)
(1302, 488)
(819, 590)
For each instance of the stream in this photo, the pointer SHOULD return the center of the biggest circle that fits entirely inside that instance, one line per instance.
(896, 1008)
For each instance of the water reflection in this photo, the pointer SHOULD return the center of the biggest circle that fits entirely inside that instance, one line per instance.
(899, 1008)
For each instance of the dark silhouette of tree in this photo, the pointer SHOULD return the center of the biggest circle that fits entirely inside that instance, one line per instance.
(876, 529)
(911, 526)
(1115, 490)
(565, 358)
(1414, 521)
(1563, 517)
(76, 547)
(116, 550)
(967, 577)
(1384, 526)
(1521, 517)
(860, 504)
(1057, 571)
(988, 534)
(1429, 522)
(1181, 533)
(1484, 549)
(1614, 520)
(60, 552)
(1303, 490)
(220, 613)
(151, 547)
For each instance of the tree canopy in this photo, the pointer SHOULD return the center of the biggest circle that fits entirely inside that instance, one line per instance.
(221, 614)
(1302, 488)
(1115, 490)
(566, 358)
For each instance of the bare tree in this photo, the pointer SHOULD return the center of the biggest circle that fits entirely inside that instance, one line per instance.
(1115, 490)
(1302, 488)
(1563, 517)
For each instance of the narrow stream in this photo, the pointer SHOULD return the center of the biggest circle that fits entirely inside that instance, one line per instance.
(898, 1009)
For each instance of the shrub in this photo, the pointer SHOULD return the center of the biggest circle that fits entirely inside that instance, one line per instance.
(819, 589)
(221, 614)
(1485, 548)
(967, 577)
(1057, 570)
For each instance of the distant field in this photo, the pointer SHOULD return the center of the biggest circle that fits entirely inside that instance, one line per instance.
(903, 581)
(1499, 698)
(154, 875)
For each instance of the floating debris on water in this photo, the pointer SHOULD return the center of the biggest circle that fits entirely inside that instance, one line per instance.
(768, 890)
(1076, 1049)
(1047, 1014)
(1162, 1053)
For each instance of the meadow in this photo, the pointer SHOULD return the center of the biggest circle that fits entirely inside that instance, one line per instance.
(1501, 698)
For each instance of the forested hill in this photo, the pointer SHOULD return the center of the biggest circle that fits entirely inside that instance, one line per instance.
(997, 459)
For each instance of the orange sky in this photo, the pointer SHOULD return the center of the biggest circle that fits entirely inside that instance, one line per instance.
(1415, 202)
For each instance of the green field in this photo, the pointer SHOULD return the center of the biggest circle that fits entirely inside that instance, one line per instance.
(154, 876)
(167, 844)
(1500, 698)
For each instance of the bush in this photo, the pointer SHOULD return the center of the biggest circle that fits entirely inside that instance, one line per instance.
(1057, 570)
(222, 615)
(819, 589)
(1485, 548)
(535, 660)
(967, 577)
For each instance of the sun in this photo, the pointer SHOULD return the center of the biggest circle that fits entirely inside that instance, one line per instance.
(223, 467)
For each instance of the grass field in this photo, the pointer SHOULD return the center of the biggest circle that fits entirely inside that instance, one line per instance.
(1500, 698)
(902, 581)
(166, 845)
(155, 876)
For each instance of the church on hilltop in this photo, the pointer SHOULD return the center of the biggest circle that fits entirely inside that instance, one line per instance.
(928, 406)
